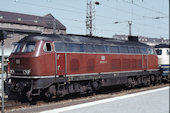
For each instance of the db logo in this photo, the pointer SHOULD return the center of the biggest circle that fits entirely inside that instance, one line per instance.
(103, 58)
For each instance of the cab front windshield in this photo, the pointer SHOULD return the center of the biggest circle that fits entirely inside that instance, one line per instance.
(24, 48)
(17, 48)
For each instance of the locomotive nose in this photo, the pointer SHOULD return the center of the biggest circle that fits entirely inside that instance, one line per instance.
(20, 66)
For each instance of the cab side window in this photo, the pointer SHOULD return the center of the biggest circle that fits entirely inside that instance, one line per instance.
(47, 47)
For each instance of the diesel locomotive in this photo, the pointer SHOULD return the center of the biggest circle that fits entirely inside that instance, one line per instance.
(57, 65)
(163, 52)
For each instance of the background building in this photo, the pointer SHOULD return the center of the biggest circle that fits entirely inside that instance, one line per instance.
(19, 25)
(146, 40)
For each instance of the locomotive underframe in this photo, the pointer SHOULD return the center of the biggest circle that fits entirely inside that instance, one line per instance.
(59, 86)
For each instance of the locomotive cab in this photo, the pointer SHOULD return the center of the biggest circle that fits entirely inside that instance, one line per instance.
(29, 58)
(30, 62)
(20, 56)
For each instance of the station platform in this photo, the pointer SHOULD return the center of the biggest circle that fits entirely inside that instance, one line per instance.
(151, 101)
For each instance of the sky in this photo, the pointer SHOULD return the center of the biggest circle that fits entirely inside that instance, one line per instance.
(72, 13)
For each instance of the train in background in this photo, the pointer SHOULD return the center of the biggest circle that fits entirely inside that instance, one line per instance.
(56, 65)
(163, 52)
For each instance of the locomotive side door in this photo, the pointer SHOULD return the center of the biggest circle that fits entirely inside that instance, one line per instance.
(60, 63)
(145, 58)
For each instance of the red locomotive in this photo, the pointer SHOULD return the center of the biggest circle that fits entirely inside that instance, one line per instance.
(56, 65)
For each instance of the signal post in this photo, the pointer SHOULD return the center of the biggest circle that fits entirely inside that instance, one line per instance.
(3, 35)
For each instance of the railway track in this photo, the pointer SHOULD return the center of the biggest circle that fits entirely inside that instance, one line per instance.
(11, 105)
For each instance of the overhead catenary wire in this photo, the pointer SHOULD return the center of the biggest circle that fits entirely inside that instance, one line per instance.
(79, 12)
(147, 32)
(151, 26)
(65, 10)
(81, 21)
(45, 6)
(146, 8)
(110, 18)
(68, 5)
(130, 12)
(28, 20)
(121, 10)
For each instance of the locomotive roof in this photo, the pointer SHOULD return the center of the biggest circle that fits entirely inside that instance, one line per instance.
(81, 39)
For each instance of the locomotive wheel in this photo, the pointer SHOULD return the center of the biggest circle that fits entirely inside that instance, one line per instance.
(144, 80)
(153, 79)
(159, 79)
(139, 81)
(133, 84)
(51, 92)
(129, 84)
(96, 85)
(148, 81)
(89, 88)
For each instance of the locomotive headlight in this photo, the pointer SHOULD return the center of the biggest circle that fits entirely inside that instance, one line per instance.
(12, 71)
(27, 71)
